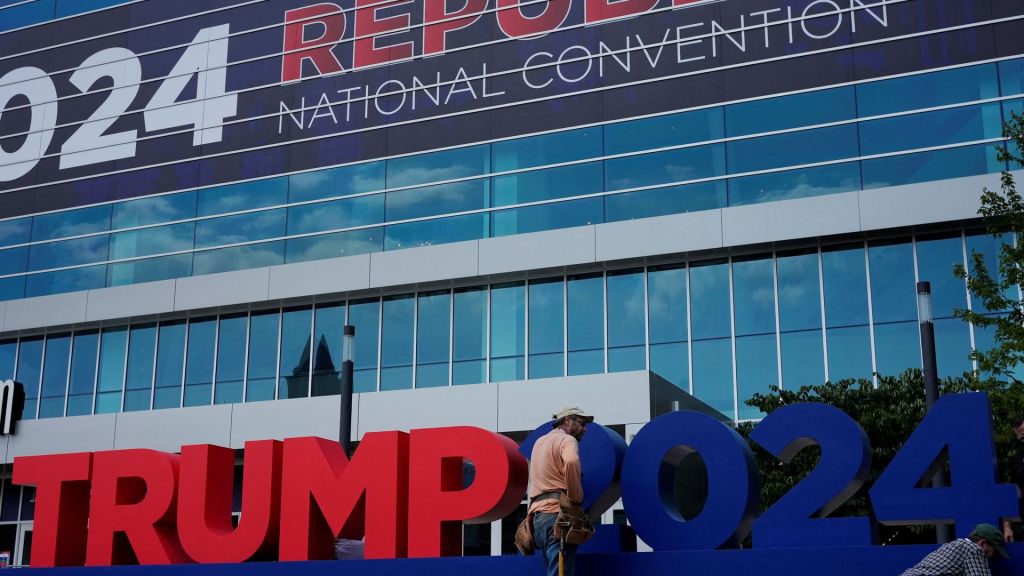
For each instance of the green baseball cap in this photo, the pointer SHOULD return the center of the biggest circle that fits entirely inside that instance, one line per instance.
(993, 535)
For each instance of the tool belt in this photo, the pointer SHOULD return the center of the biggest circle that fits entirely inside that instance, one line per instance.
(524, 532)
(572, 524)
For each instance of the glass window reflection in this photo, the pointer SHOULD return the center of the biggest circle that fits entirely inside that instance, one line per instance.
(113, 346)
(927, 90)
(328, 326)
(396, 342)
(666, 302)
(202, 334)
(563, 146)
(626, 321)
(365, 316)
(547, 328)
(170, 363)
(432, 338)
(138, 384)
(662, 131)
(893, 290)
(585, 313)
(243, 196)
(294, 362)
(55, 376)
(261, 383)
(792, 111)
(936, 257)
(83, 372)
(71, 223)
(153, 210)
(469, 338)
(341, 181)
(438, 166)
(230, 358)
(507, 332)
(664, 201)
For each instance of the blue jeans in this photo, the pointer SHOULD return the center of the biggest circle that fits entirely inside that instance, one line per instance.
(547, 545)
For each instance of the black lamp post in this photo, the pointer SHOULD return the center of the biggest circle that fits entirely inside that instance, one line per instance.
(345, 419)
(943, 532)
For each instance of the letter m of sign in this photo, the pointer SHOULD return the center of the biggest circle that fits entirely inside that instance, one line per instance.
(12, 402)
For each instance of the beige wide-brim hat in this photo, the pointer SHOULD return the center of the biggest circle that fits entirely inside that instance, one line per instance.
(573, 411)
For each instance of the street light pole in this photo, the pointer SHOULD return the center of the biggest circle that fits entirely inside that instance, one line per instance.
(345, 418)
(943, 532)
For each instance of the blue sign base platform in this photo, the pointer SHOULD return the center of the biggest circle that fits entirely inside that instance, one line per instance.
(840, 561)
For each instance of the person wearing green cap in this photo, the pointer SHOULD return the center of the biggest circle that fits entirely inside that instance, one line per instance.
(964, 556)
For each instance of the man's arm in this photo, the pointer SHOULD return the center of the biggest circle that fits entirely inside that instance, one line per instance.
(573, 475)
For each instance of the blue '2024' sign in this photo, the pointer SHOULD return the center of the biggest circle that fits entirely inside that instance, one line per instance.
(643, 475)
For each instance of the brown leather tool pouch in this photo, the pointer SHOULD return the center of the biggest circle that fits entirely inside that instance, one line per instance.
(524, 536)
(574, 520)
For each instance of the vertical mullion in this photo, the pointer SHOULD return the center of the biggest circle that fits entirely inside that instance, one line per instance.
(216, 358)
(451, 337)
(526, 329)
(871, 315)
(565, 325)
(380, 339)
(778, 321)
(970, 301)
(184, 360)
(487, 335)
(689, 328)
(277, 362)
(67, 377)
(604, 312)
(152, 378)
(124, 371)
(821, 302)
(732, 334)
(647, 323)
(245, 362)
(415, 336)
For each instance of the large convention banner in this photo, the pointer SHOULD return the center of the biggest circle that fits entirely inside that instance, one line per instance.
(157, 96)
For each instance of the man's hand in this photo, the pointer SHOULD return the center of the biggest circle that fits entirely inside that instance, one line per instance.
(1007, 531)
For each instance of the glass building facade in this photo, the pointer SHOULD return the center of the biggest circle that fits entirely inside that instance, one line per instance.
(721, 329)
(916, 128)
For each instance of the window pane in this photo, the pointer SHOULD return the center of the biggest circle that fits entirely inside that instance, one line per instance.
(336, 214)
(586, 324)
(989, 247)
(15, 231)
(238, 258)
(799, 298)
(149, 270)
(927, 90)
(897, 347)
(244, 196)
(14, 260)
(365, 316)
(8, 350)
(661, 131)
(83, 372)
(709, 294)
(437, 166)
(845, 278)
(469, 343)
(154, 210)
(139, 379)
(432, 339)
(819, 145)
(73, 280)
(68, 253)
(893, 292)
(1011, 76)
(296, 332)
(340, 181)
(436, 200)
(663, 201)
(507, 332)
(931, 129)
(230, 359)
(199, 365)
(170, 361)
(803, 358)
(547, 184)
(803, 183)
(396, 343)
(334, 245)
(547, 313)
(329, 325)
(262, 375)
(849, 353)
(926, 166)
(563, 146)
(113, 345)
(547, 217)
(626, 321)
(55, 376)
(152, 241)
(12, 288)
(71, 223)
(756, 370)
(240, 228)
(670, 361)
(438, 231)
(952, 347)
(712, 374)
(669, 167)
(807, 109)
(935, 261)
(666, 295)
(754, 296)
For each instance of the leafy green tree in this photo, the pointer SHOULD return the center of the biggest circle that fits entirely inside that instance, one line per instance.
(888, 414)
(996, 290)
